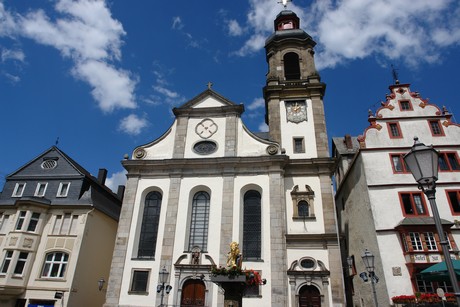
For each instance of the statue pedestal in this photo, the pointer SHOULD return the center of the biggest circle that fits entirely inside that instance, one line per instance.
(233, 286)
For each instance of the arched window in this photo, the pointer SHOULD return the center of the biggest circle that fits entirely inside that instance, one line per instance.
(199, 222)
(55, 265)
(149, 227)
(291, 66)
(303, 209)
(252, 225)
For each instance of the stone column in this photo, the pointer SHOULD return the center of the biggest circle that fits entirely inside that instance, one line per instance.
(121, 244)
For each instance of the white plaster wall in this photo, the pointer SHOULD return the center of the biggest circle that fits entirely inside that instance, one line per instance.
(248, 145)
(193, 137)
(391, 255)
(307, 226)
(209, 102)
(303, 129)
(161, 148)
(144, 186)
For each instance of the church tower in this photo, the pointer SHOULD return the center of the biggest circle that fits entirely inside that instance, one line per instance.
(294, 92)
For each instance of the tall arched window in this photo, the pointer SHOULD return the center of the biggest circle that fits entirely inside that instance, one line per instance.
(291, 66)
(199, 222)
(252, 225)
(149, 228)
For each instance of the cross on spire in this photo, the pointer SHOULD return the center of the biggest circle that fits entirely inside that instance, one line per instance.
(284, 2)
(210, 85)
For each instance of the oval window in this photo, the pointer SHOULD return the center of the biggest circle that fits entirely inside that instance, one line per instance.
(205, 147)
(307, 263)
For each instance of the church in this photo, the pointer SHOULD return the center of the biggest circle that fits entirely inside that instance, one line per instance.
(208, 181)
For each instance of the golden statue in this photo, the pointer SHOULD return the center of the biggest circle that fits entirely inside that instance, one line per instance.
(234, 257)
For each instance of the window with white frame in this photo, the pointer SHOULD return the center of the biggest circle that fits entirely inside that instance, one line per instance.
(65, 224)
(41, 189)
(430, 241)
(6, 262)
(28, 218)
(404, 241)
(21, 263)
(139, 283)
(449, 245)
(55, 265)
(19, 189)
(63, 189)
(21, 219)
(33, 221)
(416, 241)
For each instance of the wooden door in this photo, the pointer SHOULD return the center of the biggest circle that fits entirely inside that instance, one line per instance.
(309, 296)
(193, 293)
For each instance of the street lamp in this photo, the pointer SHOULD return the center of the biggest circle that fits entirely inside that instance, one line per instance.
(162, 287)
(423, 162)
(368, 259)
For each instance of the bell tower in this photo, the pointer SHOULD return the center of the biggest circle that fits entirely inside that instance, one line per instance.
(294, 92)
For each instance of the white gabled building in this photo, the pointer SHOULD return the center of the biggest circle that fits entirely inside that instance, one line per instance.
(208, 181)
(379, 205)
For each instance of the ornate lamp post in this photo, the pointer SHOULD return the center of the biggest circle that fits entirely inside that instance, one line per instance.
(368, 259)
(162, 287)
(423, 163)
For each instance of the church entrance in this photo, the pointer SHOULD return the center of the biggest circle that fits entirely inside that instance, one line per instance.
(309, 296)
(193, 293)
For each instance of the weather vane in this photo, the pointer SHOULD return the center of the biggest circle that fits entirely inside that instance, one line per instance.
(284, 2)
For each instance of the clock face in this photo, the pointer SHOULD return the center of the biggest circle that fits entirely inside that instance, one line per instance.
(296, 111)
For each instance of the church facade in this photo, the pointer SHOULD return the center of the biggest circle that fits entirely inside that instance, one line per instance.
(209, 181)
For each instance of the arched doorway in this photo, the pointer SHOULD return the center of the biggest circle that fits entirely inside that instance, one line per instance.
(309, 296)
(193, 293)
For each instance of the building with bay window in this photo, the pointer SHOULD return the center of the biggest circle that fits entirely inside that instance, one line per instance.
(379, 205)
(209, 181)
(57, 233)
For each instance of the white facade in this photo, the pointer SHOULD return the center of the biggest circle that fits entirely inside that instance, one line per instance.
(377, 197)
(270, 192)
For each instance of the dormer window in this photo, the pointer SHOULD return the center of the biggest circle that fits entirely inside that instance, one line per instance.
(19, 189)
(41, 189)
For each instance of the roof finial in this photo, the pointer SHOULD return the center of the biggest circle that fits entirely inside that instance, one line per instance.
(209, 85)
(394, 72)
(57, 141)
(284, 2)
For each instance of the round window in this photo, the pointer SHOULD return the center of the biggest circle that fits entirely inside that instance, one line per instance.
(205, 147)
(307, 263)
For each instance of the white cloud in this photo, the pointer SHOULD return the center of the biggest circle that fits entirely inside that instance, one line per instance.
(263, 127)
(234, 28)
(85, 32)
(256, 104)
(112, 88)
(116, 179)
(7, 22)
(355, 29)
(12, 78)
(133, 124)
(9, 54)
(163, 88)
(177, 23)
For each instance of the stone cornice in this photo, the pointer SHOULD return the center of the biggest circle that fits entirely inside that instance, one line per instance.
(206, 166)
(314, 240)
(315, 166)
(236, 110)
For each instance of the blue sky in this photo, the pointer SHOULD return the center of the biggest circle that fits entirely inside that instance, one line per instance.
(103, 76)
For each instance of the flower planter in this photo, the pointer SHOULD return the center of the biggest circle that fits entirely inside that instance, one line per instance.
(225, 278)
